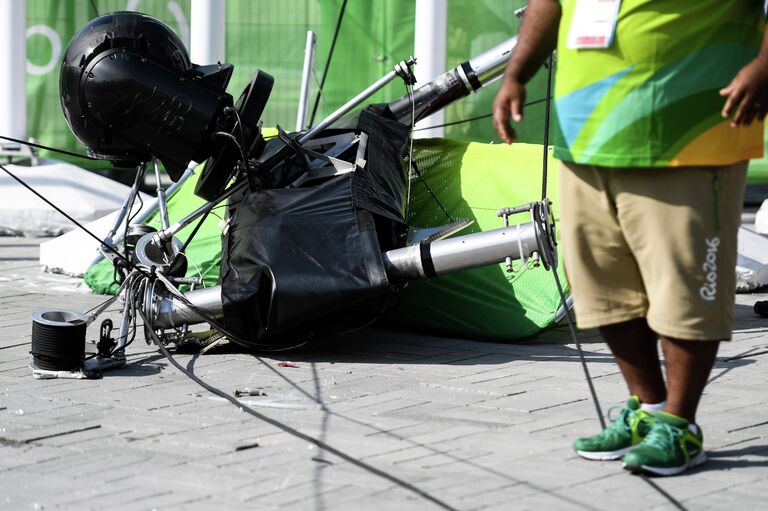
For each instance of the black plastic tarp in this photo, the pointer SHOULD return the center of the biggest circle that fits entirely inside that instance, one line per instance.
(298, 263)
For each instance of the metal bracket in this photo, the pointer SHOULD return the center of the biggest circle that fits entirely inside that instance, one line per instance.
(544, 226)
(404, 71)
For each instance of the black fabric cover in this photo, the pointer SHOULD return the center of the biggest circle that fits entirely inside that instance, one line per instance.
(304, 262)
(379, 187)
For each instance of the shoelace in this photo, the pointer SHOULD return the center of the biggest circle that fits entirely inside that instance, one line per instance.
(622, 422)
(663, 436)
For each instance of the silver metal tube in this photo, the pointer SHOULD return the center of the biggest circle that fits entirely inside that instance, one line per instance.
(352, 103)
(167, 234)
(127, 204)
(153, 205)
(455, 84)
(125, 321)
(306, 75)
(160, 196)
(173, 312)
(462, 252)
(490, 65)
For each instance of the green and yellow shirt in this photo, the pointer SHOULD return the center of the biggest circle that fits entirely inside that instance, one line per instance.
(652, 98)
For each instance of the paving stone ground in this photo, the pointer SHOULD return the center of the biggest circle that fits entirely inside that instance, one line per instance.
(467, 425)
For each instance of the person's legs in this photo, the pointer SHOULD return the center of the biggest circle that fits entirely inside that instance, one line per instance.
(674, 443)
(607, 289)
(634, 346)
(676, 252)
(688, 365)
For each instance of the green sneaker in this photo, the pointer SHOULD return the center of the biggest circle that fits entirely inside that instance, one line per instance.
(668, 449)
(623, 435)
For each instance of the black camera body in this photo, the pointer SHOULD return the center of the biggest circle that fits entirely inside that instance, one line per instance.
(130, 93)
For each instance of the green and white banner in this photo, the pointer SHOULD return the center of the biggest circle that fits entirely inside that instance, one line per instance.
(270, 35)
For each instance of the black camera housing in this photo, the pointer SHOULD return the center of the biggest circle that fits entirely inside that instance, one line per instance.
(130, 93)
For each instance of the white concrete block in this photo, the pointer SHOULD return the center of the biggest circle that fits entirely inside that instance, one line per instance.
(752, 261)
(761, 218)
(83, 195)
(74, 252)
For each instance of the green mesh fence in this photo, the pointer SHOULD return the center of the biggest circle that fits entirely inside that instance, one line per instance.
(270, 35)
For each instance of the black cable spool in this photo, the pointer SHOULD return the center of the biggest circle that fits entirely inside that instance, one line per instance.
(58, 339)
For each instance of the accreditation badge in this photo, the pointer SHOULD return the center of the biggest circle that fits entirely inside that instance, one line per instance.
(593, 24)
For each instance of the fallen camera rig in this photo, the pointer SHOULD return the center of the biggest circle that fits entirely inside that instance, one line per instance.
(316, 239)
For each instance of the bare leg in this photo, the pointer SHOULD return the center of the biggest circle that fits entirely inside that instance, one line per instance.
(634, 346)
(688, 366)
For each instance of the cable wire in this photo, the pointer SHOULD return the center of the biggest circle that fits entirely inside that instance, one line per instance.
(328, 62)
(547, 107)
(292, 431)
(67, 216)
(189, 240)
(663, 492)
(47, 148)
(233, 139)
(575, 338)
(409, 90)
(477, 118)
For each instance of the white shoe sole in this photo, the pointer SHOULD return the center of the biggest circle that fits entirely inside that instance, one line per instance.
(604, 455)
(671, 471)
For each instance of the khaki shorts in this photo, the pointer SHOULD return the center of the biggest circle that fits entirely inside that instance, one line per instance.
(658, 243)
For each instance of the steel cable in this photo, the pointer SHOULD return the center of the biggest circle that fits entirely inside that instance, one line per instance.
(292, 431)
(328, 62)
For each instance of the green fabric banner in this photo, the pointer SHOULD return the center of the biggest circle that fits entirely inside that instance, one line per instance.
(474, 181)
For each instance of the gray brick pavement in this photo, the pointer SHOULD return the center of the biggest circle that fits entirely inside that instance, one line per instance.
(481, 426)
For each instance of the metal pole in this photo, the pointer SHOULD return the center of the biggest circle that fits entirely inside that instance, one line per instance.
(207, 40)
(161, 202)
(306, 76)
(456, 83)
(489, 66)
(127, 205)
(429, 47)
(173, 312)
(13, 68)
(426, 260)
(352, 103)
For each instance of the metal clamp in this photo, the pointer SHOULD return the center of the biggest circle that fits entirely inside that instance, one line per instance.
(404, 71)
(544, 227)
